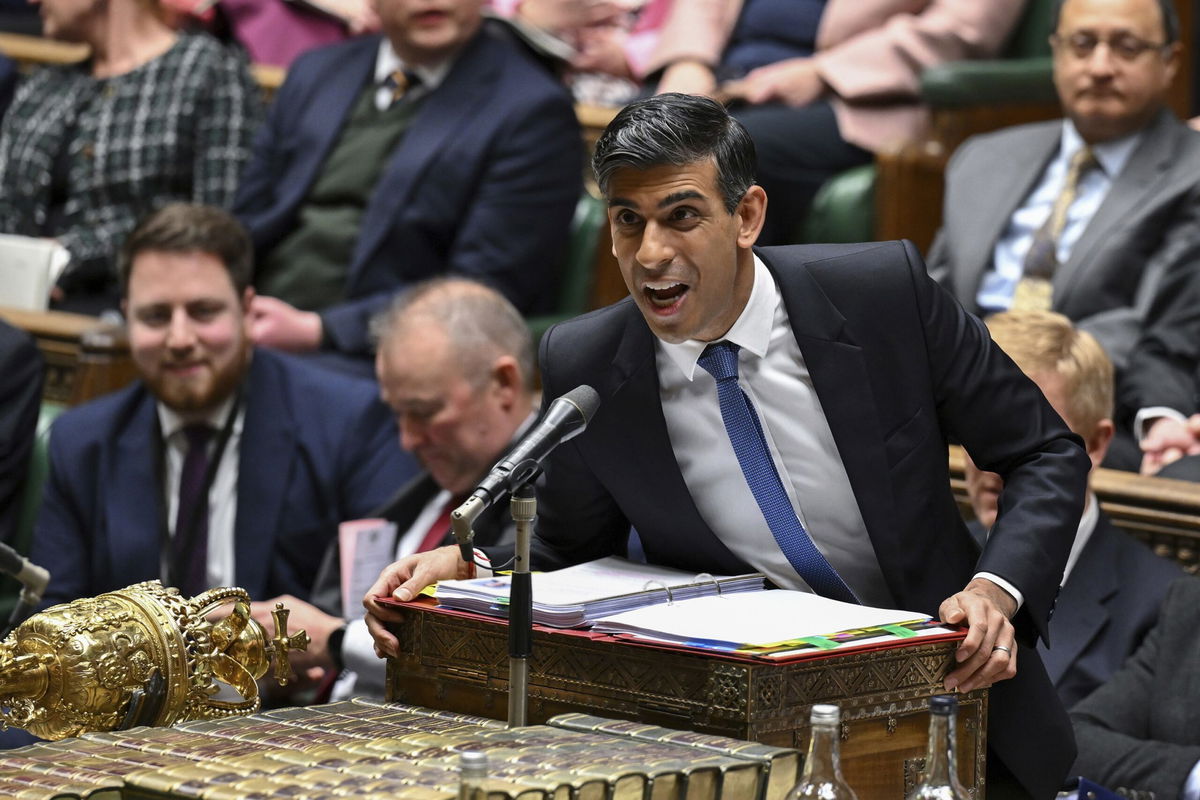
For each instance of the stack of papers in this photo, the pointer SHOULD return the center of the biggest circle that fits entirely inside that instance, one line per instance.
(576, 596)
(770, 623)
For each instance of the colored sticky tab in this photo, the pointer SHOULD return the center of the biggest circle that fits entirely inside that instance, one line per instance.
(899, 630)
(820, 642)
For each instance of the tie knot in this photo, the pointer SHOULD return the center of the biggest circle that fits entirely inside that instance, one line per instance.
(400, 82)
(720, 360)
(1083, 160)
(197, 435)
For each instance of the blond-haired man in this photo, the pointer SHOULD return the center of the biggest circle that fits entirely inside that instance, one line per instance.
(1112, 586)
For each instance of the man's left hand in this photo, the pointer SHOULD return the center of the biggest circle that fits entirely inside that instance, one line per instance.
(794, 81)
(274, 323)
(313, 661)
(989, 653)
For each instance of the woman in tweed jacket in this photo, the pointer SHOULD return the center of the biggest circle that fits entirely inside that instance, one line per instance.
(87, 149)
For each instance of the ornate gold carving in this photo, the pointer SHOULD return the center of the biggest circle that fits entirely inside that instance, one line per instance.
(142, 655)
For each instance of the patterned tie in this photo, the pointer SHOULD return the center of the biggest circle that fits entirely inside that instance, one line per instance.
(1034, 290)
(401, 82)
(189, 545)
(750, 446)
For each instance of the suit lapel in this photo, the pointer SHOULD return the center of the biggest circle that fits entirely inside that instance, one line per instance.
(1081, 611)
(265, 465)
(443, 114)
(134, 497)
(839, 376)
(1139, 178)
(331, 102)
(1007, 189)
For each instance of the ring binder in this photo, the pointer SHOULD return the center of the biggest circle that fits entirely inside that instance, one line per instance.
(700, 578)
(650, 585)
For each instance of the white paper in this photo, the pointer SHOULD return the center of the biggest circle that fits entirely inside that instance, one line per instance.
(365, 547)
(752, 618)
(29, 268)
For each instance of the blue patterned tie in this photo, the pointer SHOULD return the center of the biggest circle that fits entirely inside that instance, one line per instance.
(750, 446)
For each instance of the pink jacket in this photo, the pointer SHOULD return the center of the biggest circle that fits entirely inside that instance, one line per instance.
(869, 52)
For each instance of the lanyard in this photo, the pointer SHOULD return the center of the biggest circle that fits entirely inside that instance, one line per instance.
(188, 531)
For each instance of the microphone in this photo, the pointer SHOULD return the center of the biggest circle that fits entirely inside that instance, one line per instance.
(566, 417)
(33, 580)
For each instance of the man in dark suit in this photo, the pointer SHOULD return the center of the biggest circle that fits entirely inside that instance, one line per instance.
(223, 465)
(1113, 585)
(438, 147)
(455, 364)
(20, 401)
(1138, 731)
(861, 366)
(1097, 209)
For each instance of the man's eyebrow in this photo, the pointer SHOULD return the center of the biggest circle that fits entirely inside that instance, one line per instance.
(686, 194)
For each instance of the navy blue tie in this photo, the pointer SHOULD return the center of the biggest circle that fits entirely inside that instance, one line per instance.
(190, 542)
(750, 446)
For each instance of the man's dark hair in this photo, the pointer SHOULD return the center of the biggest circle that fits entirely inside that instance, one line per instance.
(678, 130)
(191, 228)
(1169, 17)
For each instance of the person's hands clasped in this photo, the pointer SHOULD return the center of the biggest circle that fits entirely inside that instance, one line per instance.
(403, 580)
(1169, 440)
(312, 662)
(989, 652)
(794, 82)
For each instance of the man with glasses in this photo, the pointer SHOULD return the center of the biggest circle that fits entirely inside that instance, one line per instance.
(1087, 216)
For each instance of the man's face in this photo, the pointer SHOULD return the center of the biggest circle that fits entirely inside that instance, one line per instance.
(427, 31)
(983, 488)
(685, 259)
(187, 329)
(455, 429)
(1109, 92)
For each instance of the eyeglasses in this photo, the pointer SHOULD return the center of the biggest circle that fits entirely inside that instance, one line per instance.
(1125, 46)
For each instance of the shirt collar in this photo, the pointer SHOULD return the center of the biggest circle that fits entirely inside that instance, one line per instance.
(751, 331)
(1083, 534)
(1112, 155)
(172, 422)
(387, 61)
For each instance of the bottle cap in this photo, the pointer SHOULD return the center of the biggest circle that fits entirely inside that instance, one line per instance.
(473, 764)
(943, 704)
(826, 713)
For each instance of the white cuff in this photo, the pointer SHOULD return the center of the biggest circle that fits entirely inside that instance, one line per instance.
(1005, 585)
(1146, 417)
(1191, 787)
(481, 558)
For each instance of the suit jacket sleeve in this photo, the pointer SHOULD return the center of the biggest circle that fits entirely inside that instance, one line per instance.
(520, 216)
(985, 402)
(20, 399)
(1129, 730)
(62, 542)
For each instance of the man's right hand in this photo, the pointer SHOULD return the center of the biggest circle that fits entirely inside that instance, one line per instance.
(1169, 440)
(403, 580)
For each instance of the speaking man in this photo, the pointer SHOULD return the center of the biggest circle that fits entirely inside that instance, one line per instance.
(787, 410)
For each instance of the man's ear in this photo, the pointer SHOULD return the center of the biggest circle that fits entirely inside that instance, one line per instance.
(1097, 444)
(751, 213)
(506, 380)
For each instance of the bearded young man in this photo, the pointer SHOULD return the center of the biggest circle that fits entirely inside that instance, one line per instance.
(223, 465)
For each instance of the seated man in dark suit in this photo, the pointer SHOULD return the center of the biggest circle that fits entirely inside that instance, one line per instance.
(20, 401)
(786, 410)
(1113, 585)
(1090, 215)
(1138, 731)
(437, 147)
(225, 464)
(455, 363)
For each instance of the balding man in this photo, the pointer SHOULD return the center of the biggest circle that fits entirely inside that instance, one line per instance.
(455, 363)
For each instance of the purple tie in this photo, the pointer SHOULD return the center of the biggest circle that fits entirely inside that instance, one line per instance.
(189, 545)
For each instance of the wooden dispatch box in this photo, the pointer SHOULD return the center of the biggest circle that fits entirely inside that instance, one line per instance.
(457, 661)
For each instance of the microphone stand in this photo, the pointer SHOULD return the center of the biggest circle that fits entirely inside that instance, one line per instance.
(520, 607)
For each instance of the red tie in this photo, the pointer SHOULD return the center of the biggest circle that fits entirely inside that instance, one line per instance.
(438, 530)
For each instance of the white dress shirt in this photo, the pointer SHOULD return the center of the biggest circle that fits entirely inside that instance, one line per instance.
(1008, 258)
(222, 495)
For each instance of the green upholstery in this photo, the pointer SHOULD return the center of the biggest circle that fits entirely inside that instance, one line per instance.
(1021, 75)
(844, 208)
(30, 500)
(576, 288)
